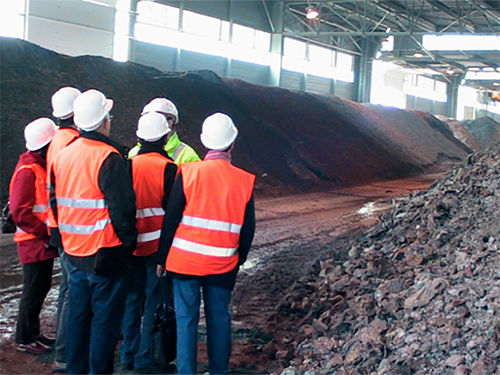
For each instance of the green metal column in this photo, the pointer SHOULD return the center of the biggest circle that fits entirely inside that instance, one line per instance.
(275, 14)
(363, 68)
(452, 93)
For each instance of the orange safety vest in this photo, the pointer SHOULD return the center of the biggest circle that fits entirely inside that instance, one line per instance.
(83, 215)
(62, 138)
(207, 239)
(41, 201)
(148, 174)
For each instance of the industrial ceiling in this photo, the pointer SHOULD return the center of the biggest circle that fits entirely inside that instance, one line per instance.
(346, 23)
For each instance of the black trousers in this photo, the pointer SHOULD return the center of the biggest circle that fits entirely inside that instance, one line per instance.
(37, 278)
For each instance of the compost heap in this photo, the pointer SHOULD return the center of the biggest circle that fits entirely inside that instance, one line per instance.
(292, 141)
(418, 293)
(484, 130)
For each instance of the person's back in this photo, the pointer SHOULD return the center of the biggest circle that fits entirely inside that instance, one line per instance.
(216, 197)
(94, 203)
(206, 235)
(153, 173)
(28, 205)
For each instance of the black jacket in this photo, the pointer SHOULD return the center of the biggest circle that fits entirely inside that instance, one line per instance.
(116, 185)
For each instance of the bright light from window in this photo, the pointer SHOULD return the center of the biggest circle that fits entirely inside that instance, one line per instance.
(461, 42)
(199, 24)
(158, 14)
(320, 55)
(294, 48)
(262, 40)
(12, 19)
(243, 36)
(344, 61)
(122, 23)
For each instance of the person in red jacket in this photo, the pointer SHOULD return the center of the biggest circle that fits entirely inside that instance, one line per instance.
(62, 105)
(153, 173)
(207, 233)
(28, 205)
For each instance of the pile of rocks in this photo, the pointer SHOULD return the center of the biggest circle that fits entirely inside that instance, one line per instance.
(418, 293)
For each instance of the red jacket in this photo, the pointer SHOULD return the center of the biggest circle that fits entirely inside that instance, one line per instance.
(22, 199)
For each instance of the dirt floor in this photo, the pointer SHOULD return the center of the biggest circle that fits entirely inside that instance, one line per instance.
(293, 233)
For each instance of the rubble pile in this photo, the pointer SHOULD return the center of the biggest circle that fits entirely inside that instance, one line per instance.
(484, 130)
(418, 293)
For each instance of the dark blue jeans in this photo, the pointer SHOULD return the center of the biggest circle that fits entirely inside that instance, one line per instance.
(62, 308)
(96, 306)
(142, 301)
(187, 299)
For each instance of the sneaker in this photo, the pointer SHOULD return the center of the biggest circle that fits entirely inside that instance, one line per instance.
(33, 348)
(46, 339)
(59, 367)
(127, 366)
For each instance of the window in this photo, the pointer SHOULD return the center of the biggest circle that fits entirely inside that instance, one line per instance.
(122, 22)
(320, 55)
(199, 24)
(344, 61)
(243, 36)
(12, 19)
(294, 48)
(156, 14)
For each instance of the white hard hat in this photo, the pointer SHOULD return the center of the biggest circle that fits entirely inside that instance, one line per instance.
(162, 105)
(39, 133)
(62, 102)
(91, 107)
(152, 126)
(218, 132)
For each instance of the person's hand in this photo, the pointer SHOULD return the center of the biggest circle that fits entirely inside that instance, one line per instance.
(160, 270)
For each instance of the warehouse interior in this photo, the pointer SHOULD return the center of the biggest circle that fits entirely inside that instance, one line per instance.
(340, 51)
(374, 141)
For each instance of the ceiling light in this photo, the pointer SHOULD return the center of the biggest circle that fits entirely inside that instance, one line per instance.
(418, 54)
(474, 69)
(450, 71)
(312, 12)
(496, 84)
(488, 69)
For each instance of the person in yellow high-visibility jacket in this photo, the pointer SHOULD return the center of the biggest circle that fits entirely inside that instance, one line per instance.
(179, 151)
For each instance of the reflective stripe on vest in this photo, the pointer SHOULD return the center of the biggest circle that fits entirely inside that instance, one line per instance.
(148, 237)
(62, 138)
(178, 151)
(148, 175)
(83, 215)
(41, 203)
(150, 212)
(204, 249)
(207, 239)
(211, 224)
(82, 203)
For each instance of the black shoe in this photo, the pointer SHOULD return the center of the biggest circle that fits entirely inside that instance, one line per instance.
(46, 339)
(127, 366)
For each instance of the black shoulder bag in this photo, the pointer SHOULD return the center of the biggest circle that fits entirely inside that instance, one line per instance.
(164, 327)
(8, 225)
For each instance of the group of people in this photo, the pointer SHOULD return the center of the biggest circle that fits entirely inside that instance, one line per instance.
(119, 223)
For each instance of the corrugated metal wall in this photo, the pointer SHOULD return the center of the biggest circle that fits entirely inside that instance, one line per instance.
(59, 25)
(159, 57)
(318, 85)
(291, 80)
(345, 90)
(248, 72)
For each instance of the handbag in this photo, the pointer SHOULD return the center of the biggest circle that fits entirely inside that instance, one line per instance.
(164, 345)
(8, 225)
